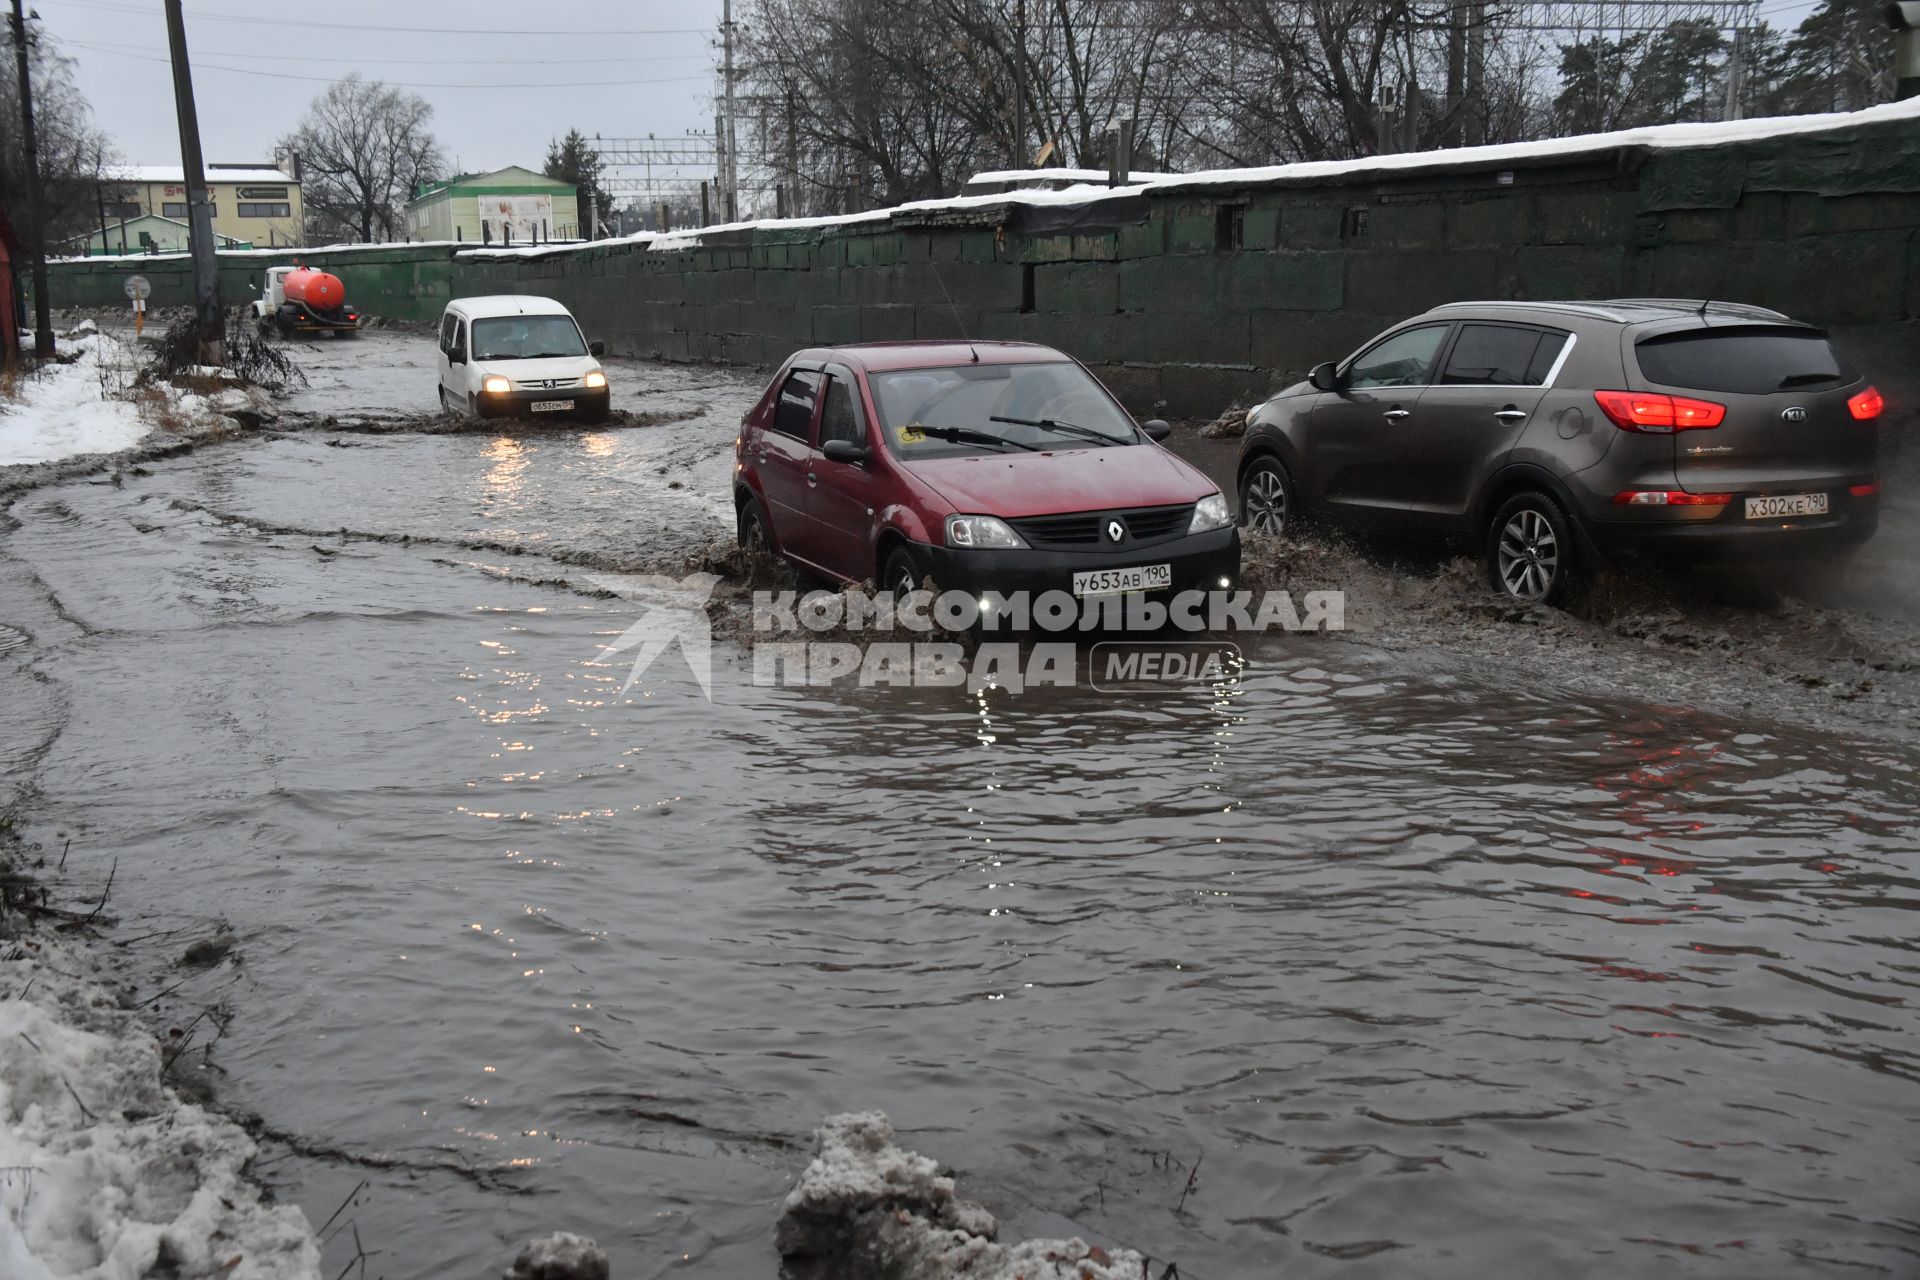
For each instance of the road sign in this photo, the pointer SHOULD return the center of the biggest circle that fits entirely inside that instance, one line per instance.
(139, 288)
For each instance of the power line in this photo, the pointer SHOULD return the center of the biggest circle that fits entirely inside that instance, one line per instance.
(199, 15)
(439, 62)
(398, 84)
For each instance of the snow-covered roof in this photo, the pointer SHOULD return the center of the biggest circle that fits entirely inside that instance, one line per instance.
(171, 173)
(1503, 155)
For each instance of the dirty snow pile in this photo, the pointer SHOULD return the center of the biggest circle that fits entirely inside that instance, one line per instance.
(560, 1256)
(867, 1210)
(62, 409)
(104, 1172)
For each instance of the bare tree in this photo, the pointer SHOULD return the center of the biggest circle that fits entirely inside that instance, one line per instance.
(873, 100)
(76, 160)
(364, 148)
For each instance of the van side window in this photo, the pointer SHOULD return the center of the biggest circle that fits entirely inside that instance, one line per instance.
(446, 331)
(793, 412)
(459, 335)
(840, 420)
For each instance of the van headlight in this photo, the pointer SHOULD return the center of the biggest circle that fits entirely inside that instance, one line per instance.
(596, 380)
(981, 531)
(1210, 513)
(495, 385)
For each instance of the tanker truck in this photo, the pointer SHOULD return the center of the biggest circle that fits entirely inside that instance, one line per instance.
(302, 300)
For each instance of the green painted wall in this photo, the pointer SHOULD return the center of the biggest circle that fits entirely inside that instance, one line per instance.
(1184, 301)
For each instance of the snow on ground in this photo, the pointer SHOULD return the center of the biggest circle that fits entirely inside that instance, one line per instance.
(62, 409)
(104, 1172)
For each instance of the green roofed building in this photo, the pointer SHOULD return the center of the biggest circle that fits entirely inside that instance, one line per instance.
(148, 233)
(508, 204)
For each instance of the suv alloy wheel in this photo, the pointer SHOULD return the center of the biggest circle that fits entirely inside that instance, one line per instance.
(1530, 552)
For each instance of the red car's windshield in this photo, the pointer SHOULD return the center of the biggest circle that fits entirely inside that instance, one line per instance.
(943, 412)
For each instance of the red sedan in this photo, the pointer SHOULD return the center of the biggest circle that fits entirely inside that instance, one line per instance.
(992, 466)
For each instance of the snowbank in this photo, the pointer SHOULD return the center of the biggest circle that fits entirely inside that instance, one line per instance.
(62, 409)
(867, 1210)
(104, 1172)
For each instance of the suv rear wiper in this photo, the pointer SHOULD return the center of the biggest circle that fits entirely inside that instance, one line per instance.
(967, 435)
(1055, 424)
(1805, 380)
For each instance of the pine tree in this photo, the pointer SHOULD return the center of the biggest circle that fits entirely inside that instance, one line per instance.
(574, 159)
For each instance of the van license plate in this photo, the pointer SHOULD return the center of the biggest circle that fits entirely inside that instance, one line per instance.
(551, 406)
(1786, 504)
(1106, 582)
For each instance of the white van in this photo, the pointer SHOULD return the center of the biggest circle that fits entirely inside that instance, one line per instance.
(510, 354)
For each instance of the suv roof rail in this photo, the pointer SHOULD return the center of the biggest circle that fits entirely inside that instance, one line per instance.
(1697, 305)
(1576, 308)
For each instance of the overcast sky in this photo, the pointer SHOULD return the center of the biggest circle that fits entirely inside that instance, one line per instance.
(504, 76)
(535, 68)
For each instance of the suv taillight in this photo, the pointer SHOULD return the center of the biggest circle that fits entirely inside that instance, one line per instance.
(1659, 414)
(1867, 405)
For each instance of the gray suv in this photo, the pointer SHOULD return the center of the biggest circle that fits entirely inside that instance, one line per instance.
(1556, 434)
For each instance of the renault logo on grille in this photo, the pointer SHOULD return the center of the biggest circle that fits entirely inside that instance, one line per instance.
(1115, 531)
(1793, 413)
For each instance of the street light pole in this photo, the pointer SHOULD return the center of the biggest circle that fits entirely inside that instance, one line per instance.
(206, 266)
(36, 202)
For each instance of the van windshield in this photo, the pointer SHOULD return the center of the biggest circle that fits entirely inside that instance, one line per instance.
(526, 338)
(968, 408)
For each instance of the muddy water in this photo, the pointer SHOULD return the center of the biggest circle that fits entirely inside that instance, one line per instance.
(1432, 963)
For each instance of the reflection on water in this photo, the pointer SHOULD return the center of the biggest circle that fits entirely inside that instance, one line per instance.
(1468, 977)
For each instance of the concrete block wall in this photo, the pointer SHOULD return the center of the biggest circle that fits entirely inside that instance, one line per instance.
(1185, 300)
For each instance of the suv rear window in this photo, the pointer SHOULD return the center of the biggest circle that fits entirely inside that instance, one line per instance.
(1746, 360)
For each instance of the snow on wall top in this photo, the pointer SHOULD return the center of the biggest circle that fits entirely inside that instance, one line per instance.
(132, 261)
(1654, 137)
(1059, 175)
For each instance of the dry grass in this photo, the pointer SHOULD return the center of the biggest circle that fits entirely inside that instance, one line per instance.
(158, 409)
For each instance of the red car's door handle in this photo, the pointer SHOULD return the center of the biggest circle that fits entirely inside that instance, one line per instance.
(813, 481)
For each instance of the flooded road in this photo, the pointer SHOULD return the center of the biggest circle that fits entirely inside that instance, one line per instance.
(1453, 946)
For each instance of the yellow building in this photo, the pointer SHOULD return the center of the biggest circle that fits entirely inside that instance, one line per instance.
(260, 206)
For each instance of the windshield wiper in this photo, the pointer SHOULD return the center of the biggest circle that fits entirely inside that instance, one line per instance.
(1805, 380)
(550, 355)
(1067, 428)
(967, 435)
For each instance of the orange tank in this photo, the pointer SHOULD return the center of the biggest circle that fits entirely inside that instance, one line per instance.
(320, 290)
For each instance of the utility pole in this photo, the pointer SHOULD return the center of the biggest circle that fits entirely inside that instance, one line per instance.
(1020, 85)
(793, 160)
(36, 204)
(1736, 73)
(719, 166)
(732, 201)
(206, 267)
(1904, 17)
(1456, 72)
(1476, 93)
